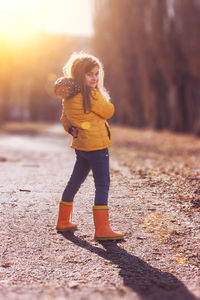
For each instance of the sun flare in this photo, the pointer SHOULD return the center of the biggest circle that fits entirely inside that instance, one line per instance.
(20, 19)
(17, 18)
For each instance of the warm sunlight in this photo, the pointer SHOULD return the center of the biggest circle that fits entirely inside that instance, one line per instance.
(68, 16)
(20, 19)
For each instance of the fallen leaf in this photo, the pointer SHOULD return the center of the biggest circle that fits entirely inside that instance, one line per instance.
(6, 265)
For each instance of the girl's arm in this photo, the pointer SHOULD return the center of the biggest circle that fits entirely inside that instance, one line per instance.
(67, 125)
(102, 107)
(65, 122)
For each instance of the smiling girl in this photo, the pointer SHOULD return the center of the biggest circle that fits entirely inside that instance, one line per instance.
(86, 107)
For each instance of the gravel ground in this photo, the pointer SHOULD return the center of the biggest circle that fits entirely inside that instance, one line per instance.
(159, 258)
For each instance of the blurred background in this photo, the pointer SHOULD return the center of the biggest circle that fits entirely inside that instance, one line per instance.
(150, 51)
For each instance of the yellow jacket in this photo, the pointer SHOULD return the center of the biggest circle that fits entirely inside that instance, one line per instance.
(93, 129)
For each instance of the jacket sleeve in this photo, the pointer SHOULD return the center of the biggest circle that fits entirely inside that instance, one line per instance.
(103, 108)
(65, 122)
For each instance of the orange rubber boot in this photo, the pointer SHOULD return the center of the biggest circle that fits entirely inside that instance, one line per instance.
(102, 228)
(64, 217)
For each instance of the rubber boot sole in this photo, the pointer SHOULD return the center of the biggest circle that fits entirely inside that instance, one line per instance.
(66, 229)
(109, 238)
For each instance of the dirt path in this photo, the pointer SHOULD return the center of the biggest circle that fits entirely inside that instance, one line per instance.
(159, 258)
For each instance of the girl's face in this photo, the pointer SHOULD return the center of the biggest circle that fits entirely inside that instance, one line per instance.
(92, 77)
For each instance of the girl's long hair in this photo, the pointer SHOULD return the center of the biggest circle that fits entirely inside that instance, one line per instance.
(77, 66)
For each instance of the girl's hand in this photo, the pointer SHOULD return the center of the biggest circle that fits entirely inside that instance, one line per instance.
(73, 131)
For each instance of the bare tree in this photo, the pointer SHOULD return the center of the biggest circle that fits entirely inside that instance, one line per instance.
(151, 52)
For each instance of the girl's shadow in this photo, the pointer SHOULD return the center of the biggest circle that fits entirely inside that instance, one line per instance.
(146, 281)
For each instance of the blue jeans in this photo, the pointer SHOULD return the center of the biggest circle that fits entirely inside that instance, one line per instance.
(98, 162)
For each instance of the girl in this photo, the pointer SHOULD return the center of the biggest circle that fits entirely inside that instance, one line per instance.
(86, 108)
